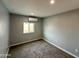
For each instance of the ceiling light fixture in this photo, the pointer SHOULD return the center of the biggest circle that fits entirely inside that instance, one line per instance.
(32, 13)
(52, 1)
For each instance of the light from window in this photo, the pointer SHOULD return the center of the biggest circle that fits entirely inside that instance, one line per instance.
(28, 27)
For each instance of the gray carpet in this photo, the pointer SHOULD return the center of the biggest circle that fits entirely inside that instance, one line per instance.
(37, 49)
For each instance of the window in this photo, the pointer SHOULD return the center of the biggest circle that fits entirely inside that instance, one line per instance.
(28, 27)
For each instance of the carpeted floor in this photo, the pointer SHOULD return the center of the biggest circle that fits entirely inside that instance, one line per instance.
(37, 49)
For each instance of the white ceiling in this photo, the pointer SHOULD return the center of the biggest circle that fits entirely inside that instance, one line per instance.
(40, 8)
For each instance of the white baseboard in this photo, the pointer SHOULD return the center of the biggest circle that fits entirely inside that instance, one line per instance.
(7, 52)
(61, 48)
(25, 42)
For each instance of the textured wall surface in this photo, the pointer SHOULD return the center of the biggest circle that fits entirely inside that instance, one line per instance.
(63, 30)
(16, 31)
(4, 30)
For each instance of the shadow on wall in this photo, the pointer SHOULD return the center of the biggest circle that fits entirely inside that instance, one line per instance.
(16, 32)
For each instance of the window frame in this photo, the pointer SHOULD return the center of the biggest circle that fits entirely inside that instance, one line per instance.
(28, 28)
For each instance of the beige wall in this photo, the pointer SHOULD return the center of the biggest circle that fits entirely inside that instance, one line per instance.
(16, 32)
(4, 30)
(63, 30)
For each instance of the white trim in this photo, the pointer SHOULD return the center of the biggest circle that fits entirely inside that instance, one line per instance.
(24, 42)
(61, 48)
(7, 52)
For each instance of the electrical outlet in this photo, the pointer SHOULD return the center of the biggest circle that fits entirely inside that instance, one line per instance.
(76, 50)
